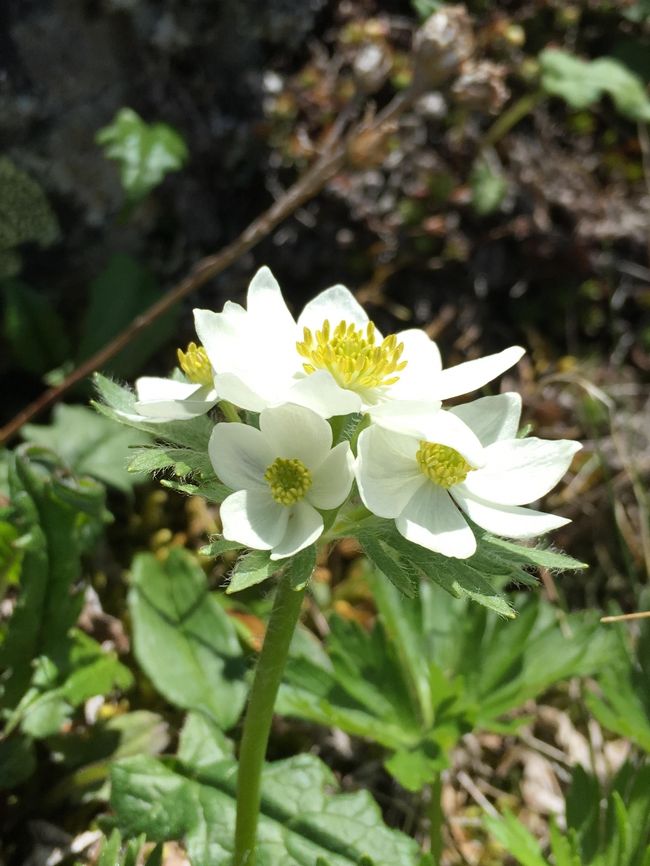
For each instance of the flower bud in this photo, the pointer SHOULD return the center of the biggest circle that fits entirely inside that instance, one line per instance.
(441, 46)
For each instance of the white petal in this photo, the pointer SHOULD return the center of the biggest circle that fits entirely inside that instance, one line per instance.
(474, 374)
(293, 431)
(170, 400)
(335, 304)
(304, 526)
(510, 521)
(268, 308)
(492, 418)
(222, 336)
(253, 518)
(387, 471)
(424, 421)
(432, 520)
(320, 392)
(519, 471)
(240, 455)
(332, 481)
(423, 364)
(238, 391)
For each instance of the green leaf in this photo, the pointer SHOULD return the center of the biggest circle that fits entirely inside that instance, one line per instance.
(623, 706)
(117, 296)
(89, 444)
(581, 83)
(301, 823)
(301, 567)
(488, 188)
(17, 761)
(46, 512)
(145, 152)
(35, 334)
(396, 568)
(218, 546)
(253, 567)
(541, 557)
(516, 839)
(118, 403)
(434, 667)
(183, 640)
(25, 215)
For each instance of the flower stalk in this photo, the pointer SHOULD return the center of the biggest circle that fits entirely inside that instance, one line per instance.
(259, 713)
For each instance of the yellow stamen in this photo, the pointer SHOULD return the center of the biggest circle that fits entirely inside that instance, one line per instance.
(351, 356)
(289, 480)
(442, 464)
(195, 364)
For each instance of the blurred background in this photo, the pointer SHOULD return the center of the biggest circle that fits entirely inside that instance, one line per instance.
(509, 203)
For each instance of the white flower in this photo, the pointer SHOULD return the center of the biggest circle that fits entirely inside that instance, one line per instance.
(467, 457)
(333, 360)
(173, 400)
(282, 473)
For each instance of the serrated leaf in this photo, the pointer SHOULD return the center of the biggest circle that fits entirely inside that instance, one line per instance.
(253, 567)
(89, 444)
(516, 839)
(301, 820)
(146, 152)
(581, 83)
(184, 641)
(542, 557)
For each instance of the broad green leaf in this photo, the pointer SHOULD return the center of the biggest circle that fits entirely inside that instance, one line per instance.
(35, 334)
(183, 640)
(516, 839)
(120, 293)
(581, 83)
(89, 444)
(54, 532)
(301, 567)
(301, 823)
(251, 568)
(488, 188)
(146, 152)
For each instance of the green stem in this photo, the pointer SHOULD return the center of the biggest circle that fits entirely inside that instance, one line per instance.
(259, 713)
(511, 117)
(436, 819)
(229, 411)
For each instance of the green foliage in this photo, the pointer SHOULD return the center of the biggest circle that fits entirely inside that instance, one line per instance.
(623, 705)
(25, 215)
(89, 443)
(581, 83)
(304, 821)
(34, 332)
(603, 829)
(122, 291)
(183, 640)
(145, 152)
(488, 188)
(114, 852)
(424, 8)
(431, 669)
(495, 563)
(49, 667)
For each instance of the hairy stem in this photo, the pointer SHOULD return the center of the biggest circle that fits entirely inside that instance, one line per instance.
(259, 713)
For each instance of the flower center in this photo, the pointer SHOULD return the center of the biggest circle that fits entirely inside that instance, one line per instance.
(195, 364)
(289, 480)
(351, 355)
(442, 464)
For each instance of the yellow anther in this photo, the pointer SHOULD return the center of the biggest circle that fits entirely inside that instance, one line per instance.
(351, 355)
(195, 364)
(289, 480)
(442, 464)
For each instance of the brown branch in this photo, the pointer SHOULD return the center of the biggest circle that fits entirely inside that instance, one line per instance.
(366, 135)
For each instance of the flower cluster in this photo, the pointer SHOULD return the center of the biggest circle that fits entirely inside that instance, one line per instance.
(427, 467)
